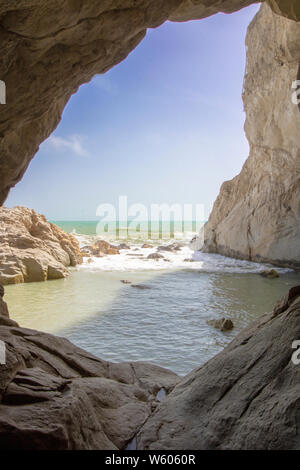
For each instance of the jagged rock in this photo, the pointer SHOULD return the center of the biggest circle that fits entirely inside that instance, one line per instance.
(100, 248)
(65, 47)
(223, 324)
(270, 274)
(32, 249)
(246, 397)
(257, 214)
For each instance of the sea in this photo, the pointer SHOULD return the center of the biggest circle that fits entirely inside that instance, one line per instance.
(160, 313)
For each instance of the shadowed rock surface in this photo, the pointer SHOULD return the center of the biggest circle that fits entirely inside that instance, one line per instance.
(32, 249)
(246, 397)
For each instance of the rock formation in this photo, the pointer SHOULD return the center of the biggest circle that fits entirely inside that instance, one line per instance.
(257, 214)
(54, 395)
(100, 248)
(33, 249)
(50, 49)
(246, 397)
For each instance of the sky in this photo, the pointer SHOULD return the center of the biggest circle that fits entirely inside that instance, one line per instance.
(164, 126)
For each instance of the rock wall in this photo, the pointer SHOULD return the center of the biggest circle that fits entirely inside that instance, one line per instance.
(32, 249)
(257, 214)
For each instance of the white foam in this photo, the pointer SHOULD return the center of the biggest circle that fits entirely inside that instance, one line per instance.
(135, 259)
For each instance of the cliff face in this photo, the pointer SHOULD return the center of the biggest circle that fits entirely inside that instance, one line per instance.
(32, 249)
(257, 214)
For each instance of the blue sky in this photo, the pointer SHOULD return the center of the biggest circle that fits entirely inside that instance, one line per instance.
(164, 126)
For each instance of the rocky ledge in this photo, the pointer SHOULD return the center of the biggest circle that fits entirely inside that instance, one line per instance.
(32, 249)
(54, 395)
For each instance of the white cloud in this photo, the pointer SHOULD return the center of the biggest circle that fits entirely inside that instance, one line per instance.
(105, 84)
(73, 143)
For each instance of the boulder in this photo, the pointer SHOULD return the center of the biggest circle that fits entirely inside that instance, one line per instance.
(147, 245)
(257, 214)
(101, 247)
(155, 256)
(33, 249)
(223, 324)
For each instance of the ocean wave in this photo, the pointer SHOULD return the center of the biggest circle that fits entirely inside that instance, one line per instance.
(135, 259)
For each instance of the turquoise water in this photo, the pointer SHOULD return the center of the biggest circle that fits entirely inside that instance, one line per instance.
(131, 230)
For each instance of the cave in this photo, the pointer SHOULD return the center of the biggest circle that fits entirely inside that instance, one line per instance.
(247, 396)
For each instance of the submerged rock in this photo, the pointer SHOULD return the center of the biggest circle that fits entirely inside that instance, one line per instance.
(140, 286)
(223, 324)
(33, 249)
(173, 247)
(147, 245)
(124, 281)
(271, 274)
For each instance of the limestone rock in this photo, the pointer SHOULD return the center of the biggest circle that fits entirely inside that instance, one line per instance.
(257, 214)
(33, 249)
(246, 397)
